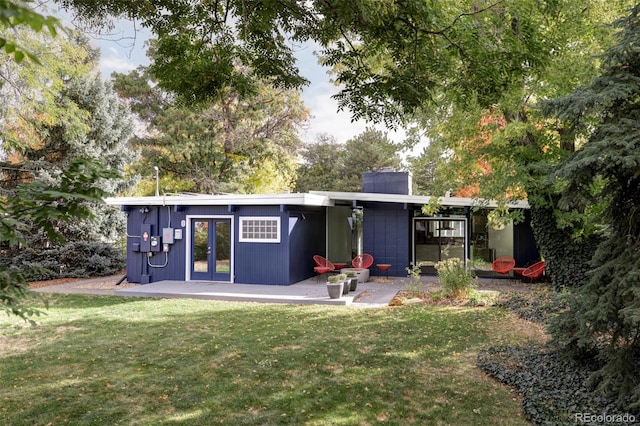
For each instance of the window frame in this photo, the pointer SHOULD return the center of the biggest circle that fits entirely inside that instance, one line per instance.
(241, 232)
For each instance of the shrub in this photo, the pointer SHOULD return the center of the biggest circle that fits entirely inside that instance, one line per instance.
(457, 281)
(73, 260)
(334, 279)
(415, 287)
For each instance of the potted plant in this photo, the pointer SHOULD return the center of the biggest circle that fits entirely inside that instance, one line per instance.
(345, 283)
(334, 286)
(353, 280)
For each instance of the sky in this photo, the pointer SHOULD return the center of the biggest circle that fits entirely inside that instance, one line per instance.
(124, 50)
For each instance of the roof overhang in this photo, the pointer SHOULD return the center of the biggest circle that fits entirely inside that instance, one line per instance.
(298, 199)
(417, 199)
(312, 198)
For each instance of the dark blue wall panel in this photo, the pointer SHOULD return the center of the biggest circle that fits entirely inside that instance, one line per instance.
(525, 250)
(160, 266)
(387, 237)
(262, 263)
(386, 183)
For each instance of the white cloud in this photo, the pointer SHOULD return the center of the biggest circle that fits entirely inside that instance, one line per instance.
(115, 63)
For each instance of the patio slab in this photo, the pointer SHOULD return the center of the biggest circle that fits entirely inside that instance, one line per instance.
(306, 292)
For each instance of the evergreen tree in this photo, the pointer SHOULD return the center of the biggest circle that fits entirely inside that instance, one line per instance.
(67, 112)
(28, 204)
(331, 166)
(603, 324)
(319, 160)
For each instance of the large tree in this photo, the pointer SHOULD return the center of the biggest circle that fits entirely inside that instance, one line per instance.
(603, 323)
(32, 204)
(331, 166)
(57, 113)
(229, 144)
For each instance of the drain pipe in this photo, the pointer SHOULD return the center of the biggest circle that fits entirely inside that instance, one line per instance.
(121, 280)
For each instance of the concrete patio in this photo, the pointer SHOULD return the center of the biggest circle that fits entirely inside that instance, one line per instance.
(376, 292)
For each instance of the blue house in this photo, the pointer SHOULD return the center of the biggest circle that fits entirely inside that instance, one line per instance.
(271, 239)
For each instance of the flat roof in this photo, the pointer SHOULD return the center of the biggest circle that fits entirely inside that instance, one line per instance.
(416, 199)
(312, 198)
(301, 199)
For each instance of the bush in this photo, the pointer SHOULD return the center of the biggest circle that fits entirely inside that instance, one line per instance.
(74, 260)
(457, 281)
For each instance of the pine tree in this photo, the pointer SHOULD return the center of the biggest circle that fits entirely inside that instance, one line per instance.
(603, 324)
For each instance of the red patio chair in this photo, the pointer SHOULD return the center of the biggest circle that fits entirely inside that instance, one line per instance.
(322, 265)
(503, 265)
(534, 271)
(362, 261)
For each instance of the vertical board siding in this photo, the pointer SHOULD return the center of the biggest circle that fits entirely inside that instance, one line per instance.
(262, 263)
(386, 237)
(387, 183)
(138, 263)
(525, 250)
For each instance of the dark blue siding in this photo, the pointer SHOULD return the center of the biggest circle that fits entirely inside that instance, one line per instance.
(386, 183)
(159, 266)
(525, 250)
(386, 236)
(262, 263)
(254, 263)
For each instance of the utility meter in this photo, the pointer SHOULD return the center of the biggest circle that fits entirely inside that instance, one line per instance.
(155, 243)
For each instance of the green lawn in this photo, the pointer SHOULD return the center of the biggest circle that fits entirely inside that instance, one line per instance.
(111, 360)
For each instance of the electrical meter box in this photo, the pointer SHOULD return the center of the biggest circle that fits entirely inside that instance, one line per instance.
(167, 235)
(155, 243)
(145, 238)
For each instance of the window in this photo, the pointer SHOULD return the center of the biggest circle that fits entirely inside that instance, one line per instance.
(260, 229)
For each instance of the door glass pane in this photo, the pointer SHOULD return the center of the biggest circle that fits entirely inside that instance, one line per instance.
(200, 246)
(223, 246)
(437, 240)
(451, 239)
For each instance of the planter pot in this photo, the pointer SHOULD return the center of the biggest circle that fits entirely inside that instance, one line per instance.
(354, 284)
(346, 285)
(334, 290)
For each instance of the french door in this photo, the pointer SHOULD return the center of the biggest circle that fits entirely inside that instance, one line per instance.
(211, 249)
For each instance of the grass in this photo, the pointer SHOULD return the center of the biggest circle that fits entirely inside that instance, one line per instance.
(94, 360)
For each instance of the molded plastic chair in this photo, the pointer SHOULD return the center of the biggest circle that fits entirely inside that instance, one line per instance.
(534, 271)
(362, 261)
(322, 265)
(503, 265)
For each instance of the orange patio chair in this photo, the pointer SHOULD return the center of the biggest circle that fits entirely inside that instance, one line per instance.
(503, 265)
(534, 271)
(362, 261)
(322, 265)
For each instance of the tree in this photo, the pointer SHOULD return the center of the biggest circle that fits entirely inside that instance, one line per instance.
(603, 324)
(330, 166)
(494, 144)
(79, 117)
(17, 14)
(318, 162)
(36, 118)
(230, 145)
(370, 151)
